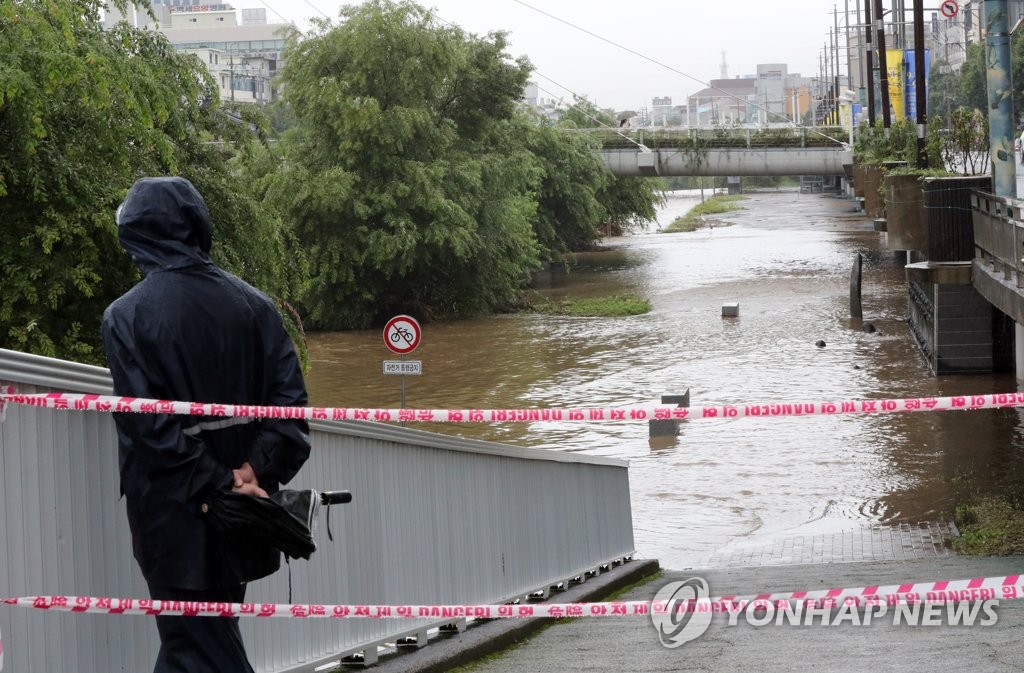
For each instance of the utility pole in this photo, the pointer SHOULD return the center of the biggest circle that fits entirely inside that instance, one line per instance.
(883, 66)
(835, 56)
(849, 49)
(830, 92)
(819, 83)
(869, 63)
(898, 34)
(919, 83)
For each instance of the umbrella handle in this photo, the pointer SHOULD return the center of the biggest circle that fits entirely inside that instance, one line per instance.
(335, 497)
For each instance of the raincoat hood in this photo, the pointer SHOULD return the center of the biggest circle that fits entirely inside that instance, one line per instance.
(164, 224)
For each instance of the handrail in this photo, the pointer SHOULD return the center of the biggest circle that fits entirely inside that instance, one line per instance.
(435, 519)
(999, 233)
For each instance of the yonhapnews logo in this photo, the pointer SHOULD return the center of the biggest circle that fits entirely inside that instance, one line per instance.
(682, 611)
(676, 627)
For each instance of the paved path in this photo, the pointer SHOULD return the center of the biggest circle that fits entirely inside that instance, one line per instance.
(631, 644)
(865, 557)
(903, 542)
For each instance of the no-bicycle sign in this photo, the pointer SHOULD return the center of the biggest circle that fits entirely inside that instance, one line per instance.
(402, 334)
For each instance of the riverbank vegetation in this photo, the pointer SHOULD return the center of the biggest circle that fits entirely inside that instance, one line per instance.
(698, 218)
(406, 176)
(989, 526)
(615, 306)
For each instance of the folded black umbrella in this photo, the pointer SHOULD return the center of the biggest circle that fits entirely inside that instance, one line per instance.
(285, 521)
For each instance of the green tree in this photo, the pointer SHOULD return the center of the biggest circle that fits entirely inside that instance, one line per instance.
(569, 211)
(83, 113)
(1017, 72)
(629, 203)
(972, 84)
(943, 96)
(403, 177)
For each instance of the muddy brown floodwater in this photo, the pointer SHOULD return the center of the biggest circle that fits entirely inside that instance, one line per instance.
(722, 484)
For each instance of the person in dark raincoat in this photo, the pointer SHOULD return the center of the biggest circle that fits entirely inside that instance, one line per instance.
(190, 331)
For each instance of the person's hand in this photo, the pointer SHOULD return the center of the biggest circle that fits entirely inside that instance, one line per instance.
(250, 488)
(244, 475)
(245, 481)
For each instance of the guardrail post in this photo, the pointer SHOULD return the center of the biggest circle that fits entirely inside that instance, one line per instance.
(668, 427)
(9, 390)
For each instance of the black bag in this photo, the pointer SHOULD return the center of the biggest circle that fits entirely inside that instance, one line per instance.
(285, 521)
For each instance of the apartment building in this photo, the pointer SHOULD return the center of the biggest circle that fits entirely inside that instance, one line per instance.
(243, 57)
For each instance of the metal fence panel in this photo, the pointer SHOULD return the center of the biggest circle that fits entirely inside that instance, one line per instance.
(434, 520)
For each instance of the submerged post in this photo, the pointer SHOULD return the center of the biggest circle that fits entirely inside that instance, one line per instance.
(856, 307)
(668, 427)
(1000, 97)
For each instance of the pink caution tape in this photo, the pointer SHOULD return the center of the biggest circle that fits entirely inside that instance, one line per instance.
(81, 402)
(1008, 587)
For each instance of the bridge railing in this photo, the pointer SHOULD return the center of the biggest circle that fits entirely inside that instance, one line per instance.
(999, 235)
(719, 138)
(435, 519)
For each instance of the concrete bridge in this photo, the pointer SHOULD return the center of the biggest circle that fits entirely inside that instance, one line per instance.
(734, 152)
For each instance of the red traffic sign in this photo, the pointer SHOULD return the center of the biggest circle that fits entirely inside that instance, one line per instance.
(402, 334)
(949, 8)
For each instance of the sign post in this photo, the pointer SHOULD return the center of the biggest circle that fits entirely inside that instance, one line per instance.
(402, 335)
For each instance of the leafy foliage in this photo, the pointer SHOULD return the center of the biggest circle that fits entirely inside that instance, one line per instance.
(568, 207)
(628, 202)
(972, 85)
(964, 144)
(413, 178)
(943, 96)
(408, 176)
(83, 113)
(403, 178)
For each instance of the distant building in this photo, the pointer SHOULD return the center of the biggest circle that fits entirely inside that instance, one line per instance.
(545, 107)
(664, 114)
(782, 97)
(244, 59)
(727, 102)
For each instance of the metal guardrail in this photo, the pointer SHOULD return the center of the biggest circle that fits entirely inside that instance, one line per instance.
(727, 162)
(434, 520)
(999, 235)
(718, 138)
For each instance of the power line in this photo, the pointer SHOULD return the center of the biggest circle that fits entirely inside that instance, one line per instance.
(276, 12)
(667, 67)
(322, 12)
(560, 98)
(587, 114)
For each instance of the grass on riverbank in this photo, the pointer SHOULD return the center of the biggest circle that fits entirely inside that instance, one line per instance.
(615, 306)
(696, 218)
(989, 527)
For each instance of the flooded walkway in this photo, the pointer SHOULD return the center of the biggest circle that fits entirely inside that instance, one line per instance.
(903, 542)
(723, 486)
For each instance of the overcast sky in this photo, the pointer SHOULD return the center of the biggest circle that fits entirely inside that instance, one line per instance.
(689, 36)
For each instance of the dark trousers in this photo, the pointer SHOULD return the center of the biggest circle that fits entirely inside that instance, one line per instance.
(200, 644)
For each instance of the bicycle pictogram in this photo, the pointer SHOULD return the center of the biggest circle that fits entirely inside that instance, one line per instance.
(402, 334)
